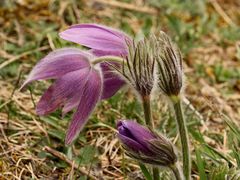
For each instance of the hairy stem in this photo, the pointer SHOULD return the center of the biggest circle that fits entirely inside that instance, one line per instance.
(156, 173)
(148, 120)
(182, 128)
(147, 111)
(177, 171)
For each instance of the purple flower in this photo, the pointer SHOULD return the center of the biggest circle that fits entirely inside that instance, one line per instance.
(145, 145)
(102, 41)
(78, 85)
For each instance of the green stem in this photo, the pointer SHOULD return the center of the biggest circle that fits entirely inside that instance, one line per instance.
(147, 111)
(182, 128)
(148, 120)
(156, 173)
(107, 58)
(177, 171)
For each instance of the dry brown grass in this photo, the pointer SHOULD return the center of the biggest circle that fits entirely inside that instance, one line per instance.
(29, 150)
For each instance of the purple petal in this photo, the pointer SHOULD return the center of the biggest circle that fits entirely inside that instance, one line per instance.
(64, 90)
(111, 86)
(133, 145)
(108, 53)
(123, 131)
(111, 81)
(71, 104)
(138, 132)
(89, 98)
(97, 37)
(58, 63)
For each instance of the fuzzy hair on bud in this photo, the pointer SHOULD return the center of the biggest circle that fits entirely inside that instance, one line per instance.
(169, 65)
(139, 69)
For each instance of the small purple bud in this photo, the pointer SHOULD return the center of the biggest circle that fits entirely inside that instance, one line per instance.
(145, 145)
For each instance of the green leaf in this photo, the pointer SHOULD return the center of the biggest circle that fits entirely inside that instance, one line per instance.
(69, 152)
(233, 127)
(200, 164)
(218, 154)
(42, 154)
(57, 134)
(145, 172)
(223, 172)
(197, 135)
(236, 155)
(83, 178)
(219, 173)
(53, 122)
(88, 155)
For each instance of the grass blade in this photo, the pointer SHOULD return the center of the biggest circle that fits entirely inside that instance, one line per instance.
(200, 165)
(145, 172)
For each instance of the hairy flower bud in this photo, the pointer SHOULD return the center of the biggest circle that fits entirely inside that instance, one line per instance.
(145, 145)
(139, 66)
(169, 61)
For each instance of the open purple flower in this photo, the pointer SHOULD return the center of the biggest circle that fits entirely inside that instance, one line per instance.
(102, 41)
(78, 85)
(145, 145)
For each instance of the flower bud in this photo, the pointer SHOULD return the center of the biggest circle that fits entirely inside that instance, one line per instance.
(145, 145)
(169, 61)
(139, 67)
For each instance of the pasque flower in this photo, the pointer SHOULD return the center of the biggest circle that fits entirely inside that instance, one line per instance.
(80, 84)
(102, 41)
(144, 145)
